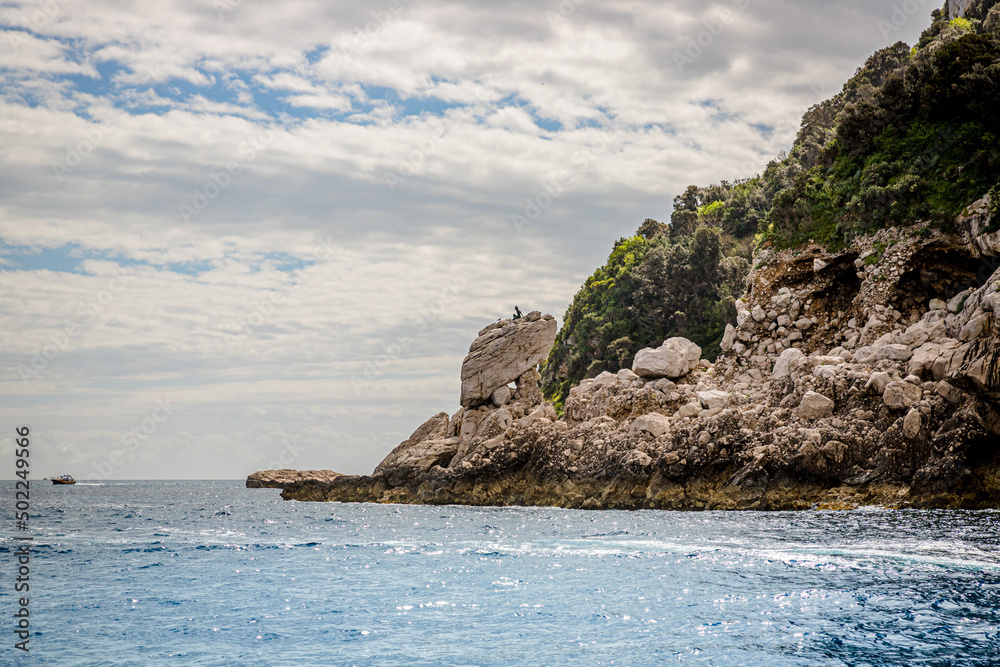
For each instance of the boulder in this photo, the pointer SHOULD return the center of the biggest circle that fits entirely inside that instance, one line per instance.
(899, 395)
(815, 406)
(950, 393)
(912, 424)
(788, 361)
(689, 410)
(974, 328)
(653, 423)
(625, 375)
(502, 352)
(501, 396)
(878, 381)
(713, 399)
(637, 459)
(923, 359)
(674, 359)
(605, 379)
(728, 338)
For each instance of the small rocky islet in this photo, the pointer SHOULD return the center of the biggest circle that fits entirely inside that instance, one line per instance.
(846, 381)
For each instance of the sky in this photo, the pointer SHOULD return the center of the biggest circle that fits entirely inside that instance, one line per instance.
(239, 235)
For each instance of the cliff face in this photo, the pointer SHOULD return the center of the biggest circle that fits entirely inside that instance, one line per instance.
(866, 376)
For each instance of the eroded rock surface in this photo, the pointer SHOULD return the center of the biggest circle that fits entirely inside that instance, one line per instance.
(277, 479)
(674, 359)
(866, 376)
(502, 352)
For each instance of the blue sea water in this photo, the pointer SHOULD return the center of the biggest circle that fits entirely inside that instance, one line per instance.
(211, 573)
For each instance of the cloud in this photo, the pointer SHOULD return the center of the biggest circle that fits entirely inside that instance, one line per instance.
(292, 220)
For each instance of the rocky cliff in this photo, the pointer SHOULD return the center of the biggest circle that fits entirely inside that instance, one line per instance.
(869, 375)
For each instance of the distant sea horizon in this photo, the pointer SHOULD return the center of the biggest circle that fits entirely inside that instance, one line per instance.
(207, 572)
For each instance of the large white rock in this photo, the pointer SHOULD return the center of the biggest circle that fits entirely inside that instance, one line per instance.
(674, 359)
(788, 361)
(502, 352)
(713, 399)
(878, 381)
(653, 423)
(625, 375)
(815, 406)
(923, 358)
(605, 379)
(728, 338)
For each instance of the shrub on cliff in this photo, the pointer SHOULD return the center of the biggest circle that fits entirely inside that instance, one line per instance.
(652, 287)
(913, 136)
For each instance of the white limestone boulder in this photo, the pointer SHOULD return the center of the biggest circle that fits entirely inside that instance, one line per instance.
(675, 358)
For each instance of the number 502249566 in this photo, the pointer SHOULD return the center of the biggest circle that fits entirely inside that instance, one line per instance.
(22, 467)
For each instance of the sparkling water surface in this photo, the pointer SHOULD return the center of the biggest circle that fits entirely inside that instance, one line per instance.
(211, 573)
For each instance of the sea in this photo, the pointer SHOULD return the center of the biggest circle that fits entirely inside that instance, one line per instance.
(212, 573)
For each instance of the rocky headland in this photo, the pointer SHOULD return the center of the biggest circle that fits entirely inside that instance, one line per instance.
(864, 376)
(848, 296)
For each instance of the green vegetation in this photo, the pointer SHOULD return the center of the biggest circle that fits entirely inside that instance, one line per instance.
(994, 209)
(912, 136)
(656, 284)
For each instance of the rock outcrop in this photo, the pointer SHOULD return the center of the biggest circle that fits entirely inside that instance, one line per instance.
(502, 352)
(674, 359)
(276, 479)
(870, 375)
